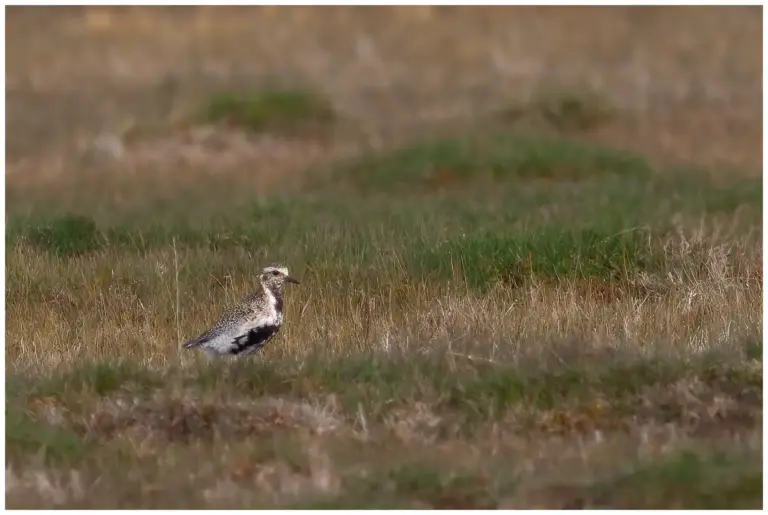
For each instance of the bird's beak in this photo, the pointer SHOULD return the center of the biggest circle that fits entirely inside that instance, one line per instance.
(290, 279)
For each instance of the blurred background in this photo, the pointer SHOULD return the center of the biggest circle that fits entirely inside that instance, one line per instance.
(109, 99)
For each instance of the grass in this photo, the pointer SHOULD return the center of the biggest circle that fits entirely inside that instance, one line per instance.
(719, 478)
(487, 319)
(397, 404)
(25, 434)
(419, 353)
(685, 480)
(427, 325)
(269, 109)
(388, 382)
(494, 158)
(566, 110)
(483, 258)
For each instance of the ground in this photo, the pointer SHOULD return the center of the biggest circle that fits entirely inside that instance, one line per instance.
(529, 243)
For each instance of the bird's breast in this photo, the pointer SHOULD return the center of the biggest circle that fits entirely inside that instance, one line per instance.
(279, 303)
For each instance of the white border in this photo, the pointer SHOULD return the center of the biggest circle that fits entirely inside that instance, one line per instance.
(373, 3)
(2, 280)
(765, 218)
(594, 3)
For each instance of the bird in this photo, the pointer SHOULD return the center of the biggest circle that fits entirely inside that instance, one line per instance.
(245, 327)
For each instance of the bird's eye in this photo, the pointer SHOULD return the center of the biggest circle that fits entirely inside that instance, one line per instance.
(275, 272)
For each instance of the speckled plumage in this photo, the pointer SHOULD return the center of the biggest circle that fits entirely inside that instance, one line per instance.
(247, 326)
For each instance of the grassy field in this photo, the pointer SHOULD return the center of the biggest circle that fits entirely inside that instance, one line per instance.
(524, 284)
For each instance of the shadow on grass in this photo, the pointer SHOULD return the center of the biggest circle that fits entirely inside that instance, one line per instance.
(565, 110)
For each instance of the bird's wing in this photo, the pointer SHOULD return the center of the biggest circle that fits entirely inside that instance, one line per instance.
(212, 333)
(194, 342)
(254, 340)
(250, 333)
(220, 328)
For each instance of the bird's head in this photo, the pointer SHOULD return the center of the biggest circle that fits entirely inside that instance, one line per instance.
(274, 276)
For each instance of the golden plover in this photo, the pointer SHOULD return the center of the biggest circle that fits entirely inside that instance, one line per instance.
(248, 325)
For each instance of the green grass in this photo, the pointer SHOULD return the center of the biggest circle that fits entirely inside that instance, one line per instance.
(475, 161)
(269, 109)
(66, 235)
(99, 379)
(482, 258)
(25, 435)
(547, 216)
(543, 194)
(686, 480)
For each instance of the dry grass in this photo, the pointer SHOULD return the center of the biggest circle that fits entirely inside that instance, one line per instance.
(502, 319)
(385, 389)
(123, 306)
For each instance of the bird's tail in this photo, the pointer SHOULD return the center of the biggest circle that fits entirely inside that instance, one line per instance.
(190, 343)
